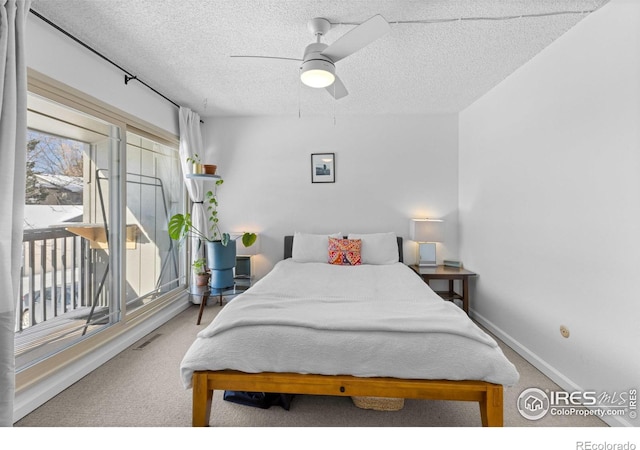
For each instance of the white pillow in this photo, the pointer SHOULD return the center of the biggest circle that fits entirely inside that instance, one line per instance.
(378, 248)
(311, 247)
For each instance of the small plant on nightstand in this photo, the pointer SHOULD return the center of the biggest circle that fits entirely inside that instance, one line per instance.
(200, 270)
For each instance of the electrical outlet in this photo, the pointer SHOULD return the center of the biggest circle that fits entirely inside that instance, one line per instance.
(564, 331)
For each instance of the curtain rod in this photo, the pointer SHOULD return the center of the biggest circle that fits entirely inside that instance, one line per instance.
(128, 76)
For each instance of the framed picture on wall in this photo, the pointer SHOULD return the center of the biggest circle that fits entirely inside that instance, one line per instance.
(323, 167)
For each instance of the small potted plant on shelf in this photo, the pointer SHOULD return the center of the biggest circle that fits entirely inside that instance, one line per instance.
(221, 257)
(209, 169)
(198, 167)
(200, 270)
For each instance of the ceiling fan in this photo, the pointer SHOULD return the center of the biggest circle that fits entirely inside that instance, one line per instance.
(318, 63)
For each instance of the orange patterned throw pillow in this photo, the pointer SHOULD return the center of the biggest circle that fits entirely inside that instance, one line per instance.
(344, 252)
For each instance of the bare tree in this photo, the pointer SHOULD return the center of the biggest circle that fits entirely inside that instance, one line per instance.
(35, 194)
(54, 168)
(57, 156)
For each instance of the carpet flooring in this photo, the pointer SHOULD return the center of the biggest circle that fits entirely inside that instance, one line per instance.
(141, 387)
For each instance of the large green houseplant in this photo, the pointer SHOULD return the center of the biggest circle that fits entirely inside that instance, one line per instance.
(221, 257)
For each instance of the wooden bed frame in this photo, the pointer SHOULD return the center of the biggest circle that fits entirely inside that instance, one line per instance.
(488, 395)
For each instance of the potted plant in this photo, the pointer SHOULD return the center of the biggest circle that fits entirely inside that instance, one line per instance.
(221, 257)
(198, 168)
(200, 269)
(209, 169)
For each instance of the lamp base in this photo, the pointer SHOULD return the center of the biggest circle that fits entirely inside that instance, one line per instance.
(427, 254)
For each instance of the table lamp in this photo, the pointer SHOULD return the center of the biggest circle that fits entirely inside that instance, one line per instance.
(426, 232)
(244, 269)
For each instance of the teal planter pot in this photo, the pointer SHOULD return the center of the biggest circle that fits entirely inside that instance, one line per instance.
(221, 260)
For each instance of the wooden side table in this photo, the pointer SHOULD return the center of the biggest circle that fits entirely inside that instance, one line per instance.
(452, 274)
(204, 292)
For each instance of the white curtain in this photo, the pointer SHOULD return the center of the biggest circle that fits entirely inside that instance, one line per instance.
(13, 153)
(190, 144)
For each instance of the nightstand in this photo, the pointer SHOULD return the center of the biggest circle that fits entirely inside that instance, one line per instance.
(452, 274)
(204, 292)
(241, 282)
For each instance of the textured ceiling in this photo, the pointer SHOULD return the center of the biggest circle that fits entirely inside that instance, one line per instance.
(182, 49)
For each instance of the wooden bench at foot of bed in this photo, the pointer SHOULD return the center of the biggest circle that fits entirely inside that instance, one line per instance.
(489, 395)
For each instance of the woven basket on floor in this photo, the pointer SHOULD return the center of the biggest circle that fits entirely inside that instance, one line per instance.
(379, 403)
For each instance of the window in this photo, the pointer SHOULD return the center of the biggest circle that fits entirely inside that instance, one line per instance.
(96, 252)
(154, 188)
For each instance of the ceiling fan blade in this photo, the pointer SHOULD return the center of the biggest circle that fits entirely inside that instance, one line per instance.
(264, 57)
(359, 37)
(337, 89)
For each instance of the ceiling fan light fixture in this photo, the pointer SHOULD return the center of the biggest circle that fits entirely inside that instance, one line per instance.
(317, 73)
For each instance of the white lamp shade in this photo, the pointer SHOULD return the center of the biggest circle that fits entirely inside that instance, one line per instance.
(427, 230)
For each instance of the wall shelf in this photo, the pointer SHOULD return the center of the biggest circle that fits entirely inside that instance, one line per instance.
(202, 176)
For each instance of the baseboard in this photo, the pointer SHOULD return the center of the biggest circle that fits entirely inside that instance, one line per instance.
(539, 363)
(31, 398)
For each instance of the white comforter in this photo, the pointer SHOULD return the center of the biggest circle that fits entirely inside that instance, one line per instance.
(363, 320)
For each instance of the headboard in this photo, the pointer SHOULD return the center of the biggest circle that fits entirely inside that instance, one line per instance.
(288, 247)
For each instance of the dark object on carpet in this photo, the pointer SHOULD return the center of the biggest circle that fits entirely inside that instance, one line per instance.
(264, 400)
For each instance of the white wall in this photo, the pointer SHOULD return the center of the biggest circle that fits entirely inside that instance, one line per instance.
(388, 170)
(550, 204)
(57, 56)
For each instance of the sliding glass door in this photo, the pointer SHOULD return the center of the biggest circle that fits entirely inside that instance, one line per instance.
(96, 251)
(64, 293)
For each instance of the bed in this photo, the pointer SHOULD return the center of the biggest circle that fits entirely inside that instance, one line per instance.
(371, 329)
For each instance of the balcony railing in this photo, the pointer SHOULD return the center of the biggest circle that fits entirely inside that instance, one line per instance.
(58, 276)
